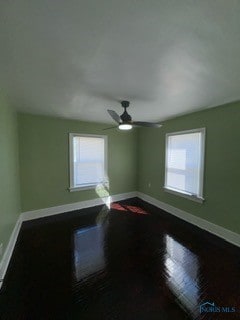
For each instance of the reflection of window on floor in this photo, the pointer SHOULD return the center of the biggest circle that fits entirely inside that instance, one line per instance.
(127, 208)
(182, 274)
(88, 251)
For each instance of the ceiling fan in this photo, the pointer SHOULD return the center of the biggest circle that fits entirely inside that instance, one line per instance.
(125, 122)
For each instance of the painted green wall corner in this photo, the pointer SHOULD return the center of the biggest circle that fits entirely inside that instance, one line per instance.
(9, 173)
(44, 160)
(222, 164)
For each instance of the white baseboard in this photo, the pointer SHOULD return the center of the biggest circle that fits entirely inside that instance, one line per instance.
(41, 213)
(9, 250)
(221, 232)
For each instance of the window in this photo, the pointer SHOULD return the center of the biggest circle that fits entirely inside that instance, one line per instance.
(184, 163)
(88, 161)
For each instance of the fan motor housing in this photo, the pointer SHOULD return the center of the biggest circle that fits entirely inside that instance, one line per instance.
(125, 117)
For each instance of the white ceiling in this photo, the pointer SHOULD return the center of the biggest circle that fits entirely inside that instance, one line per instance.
(76, 59)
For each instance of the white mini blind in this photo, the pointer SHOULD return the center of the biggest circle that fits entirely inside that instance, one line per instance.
(184, 162)
(88, 160)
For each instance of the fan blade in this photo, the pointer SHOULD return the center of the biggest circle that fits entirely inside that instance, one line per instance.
(146, 124)
(114, 116)
(110, 128)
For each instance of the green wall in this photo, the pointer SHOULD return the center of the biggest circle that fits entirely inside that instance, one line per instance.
(222, 164)
(44, 160)
(9, 179)
(136, 159)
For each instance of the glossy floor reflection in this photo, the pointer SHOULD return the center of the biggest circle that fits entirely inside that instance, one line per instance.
(131, 262)
(88, 251)
(182, 271)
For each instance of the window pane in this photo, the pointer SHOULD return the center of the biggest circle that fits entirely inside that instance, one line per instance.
(183, 167)
(177, 159)
(177, 180)
(88, 155)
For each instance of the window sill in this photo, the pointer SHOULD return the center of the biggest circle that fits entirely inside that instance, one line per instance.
(184, 195)
(87, 186)
(80, 188)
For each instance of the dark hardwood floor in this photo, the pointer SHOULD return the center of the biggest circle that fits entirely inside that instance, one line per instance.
(132, 262)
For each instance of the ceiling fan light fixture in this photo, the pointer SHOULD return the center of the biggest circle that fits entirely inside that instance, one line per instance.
(125, 122)
(125, 126)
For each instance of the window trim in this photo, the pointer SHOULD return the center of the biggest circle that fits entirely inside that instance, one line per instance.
(197, 198)
(73, 188)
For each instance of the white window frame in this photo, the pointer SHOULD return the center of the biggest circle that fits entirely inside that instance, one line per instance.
(71, 166)
(198, 198)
